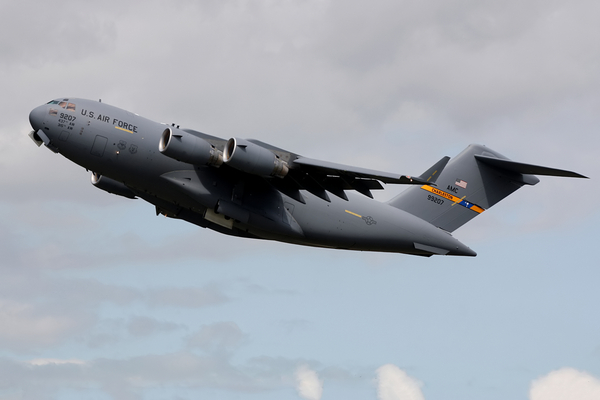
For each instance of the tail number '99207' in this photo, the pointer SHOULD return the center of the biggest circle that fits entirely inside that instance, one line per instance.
(436, 200)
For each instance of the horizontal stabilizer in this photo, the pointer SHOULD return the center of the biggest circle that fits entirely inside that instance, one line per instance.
(528, 169)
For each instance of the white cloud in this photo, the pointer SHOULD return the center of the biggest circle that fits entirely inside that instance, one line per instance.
(395, 384)
(565, 384)
(56, 361)
(308, 384)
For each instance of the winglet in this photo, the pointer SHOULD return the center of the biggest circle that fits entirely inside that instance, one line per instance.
(431, 175)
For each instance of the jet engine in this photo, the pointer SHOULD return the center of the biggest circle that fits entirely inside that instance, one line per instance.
(188, 148)
(253, 159)
(111, 186)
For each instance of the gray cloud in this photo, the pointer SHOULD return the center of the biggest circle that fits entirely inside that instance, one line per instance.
(50, 37)
(26, 325)
(294, 325)
(135, 376)
(145, 326)
(388, 85)
(338, 71)
(218, 337)
(192, 297)
(40, 311)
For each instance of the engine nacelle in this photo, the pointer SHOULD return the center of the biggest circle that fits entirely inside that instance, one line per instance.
(111, 186)
(253, 159)
(188, 148)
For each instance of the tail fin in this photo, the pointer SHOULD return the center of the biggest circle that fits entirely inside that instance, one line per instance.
(471, 183)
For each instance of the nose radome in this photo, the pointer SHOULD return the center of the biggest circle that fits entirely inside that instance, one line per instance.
(36, 117)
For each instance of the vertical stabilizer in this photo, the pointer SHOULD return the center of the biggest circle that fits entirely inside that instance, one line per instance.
(470, 183)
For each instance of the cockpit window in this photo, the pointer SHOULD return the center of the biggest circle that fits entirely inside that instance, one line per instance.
(64, 104)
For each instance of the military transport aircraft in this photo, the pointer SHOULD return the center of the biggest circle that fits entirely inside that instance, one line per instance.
(248, 188)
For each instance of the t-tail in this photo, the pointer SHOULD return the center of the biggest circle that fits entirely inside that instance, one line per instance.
(469, 184)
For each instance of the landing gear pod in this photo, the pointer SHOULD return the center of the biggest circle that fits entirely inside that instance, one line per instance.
(188, 148)
(111, 186)
(253, 159)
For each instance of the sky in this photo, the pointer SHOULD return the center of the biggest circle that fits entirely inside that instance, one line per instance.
(100, 299)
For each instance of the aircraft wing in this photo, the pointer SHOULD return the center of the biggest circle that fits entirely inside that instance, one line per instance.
(347, 171)
(319, 177)
(215, 141)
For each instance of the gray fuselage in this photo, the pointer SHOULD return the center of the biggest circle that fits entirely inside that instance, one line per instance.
(122, 147)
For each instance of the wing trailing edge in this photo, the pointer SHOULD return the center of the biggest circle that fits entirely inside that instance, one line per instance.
(330, 168)
(320, 177)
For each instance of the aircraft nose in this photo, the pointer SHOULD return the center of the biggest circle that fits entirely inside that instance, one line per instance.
(36, 118)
